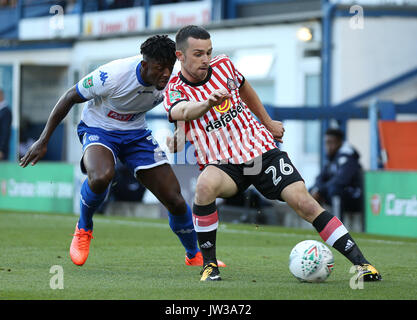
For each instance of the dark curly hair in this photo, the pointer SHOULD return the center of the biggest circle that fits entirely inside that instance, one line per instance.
(159, 48)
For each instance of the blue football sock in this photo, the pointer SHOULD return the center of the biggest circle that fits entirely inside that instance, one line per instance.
(89, 202)
(183, 227)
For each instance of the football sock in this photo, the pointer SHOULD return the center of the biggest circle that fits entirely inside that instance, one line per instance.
(334, 233)
(182, 226)
(89, 202)
(206, 221)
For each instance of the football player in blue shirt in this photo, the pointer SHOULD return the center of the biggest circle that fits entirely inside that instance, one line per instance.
(118, 95)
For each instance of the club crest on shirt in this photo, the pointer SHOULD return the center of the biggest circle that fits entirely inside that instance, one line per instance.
(231, 84)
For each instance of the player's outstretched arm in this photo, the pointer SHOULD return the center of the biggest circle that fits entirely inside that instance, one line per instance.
(38, 150)
(191, 110)
(251, 99)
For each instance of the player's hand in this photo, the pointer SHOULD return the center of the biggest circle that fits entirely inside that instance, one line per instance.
(36, 152)
(277, 129)
(218, 97)
(173, 145)
(177, 142)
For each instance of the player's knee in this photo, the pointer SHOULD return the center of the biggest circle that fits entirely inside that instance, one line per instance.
(205, 192)
(99, 180)
(309, 208)
(305, 205)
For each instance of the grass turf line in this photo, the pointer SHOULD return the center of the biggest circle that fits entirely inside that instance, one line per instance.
(133, 258)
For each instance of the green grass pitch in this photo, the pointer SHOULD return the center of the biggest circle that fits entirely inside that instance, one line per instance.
(141, 259)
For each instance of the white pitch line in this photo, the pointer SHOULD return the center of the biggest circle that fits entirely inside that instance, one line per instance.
(225, 229)
(222, 227)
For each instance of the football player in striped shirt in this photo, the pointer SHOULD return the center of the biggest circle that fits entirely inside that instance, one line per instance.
(118, 95)
(213, 103)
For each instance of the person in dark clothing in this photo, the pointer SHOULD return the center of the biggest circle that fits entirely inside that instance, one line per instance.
(341, 175)
(5, 127)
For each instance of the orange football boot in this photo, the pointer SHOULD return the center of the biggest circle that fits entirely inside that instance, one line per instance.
(80, 245)
(198, 261)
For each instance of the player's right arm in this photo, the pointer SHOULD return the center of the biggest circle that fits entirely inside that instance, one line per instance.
(98, 83)
(59, 112)
(191, 110)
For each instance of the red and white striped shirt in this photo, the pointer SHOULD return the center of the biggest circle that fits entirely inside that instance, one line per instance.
(227, 132)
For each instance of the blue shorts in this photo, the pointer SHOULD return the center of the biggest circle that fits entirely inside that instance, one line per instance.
(137, 149)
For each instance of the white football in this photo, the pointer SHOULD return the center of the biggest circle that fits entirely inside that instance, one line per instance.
(311, 261)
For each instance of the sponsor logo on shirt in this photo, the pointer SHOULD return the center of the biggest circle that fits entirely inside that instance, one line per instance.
(122, 117)
(224, 107)
(224, 119)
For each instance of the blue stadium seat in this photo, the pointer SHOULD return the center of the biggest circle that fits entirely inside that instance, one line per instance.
(32, 9)
(8, 23)
(91, 6)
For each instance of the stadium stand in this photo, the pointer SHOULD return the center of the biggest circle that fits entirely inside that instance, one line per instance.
(374, 100)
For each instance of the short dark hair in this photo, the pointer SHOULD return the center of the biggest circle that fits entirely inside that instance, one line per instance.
(192, 31)
(335, 133)
(159, 48)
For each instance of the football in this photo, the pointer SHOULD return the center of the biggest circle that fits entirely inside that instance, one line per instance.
(311, 261)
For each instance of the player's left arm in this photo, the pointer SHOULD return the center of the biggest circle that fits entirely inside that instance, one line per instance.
(254, 103)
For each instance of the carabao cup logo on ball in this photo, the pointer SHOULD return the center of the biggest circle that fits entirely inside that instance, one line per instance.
(224, 107)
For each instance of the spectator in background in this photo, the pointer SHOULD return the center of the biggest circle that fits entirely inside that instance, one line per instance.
(4, 3)
(8, 3)
(118, 4)
(341, 175)
(5, 127)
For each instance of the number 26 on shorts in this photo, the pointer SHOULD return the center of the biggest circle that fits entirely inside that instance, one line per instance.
(284, 168)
